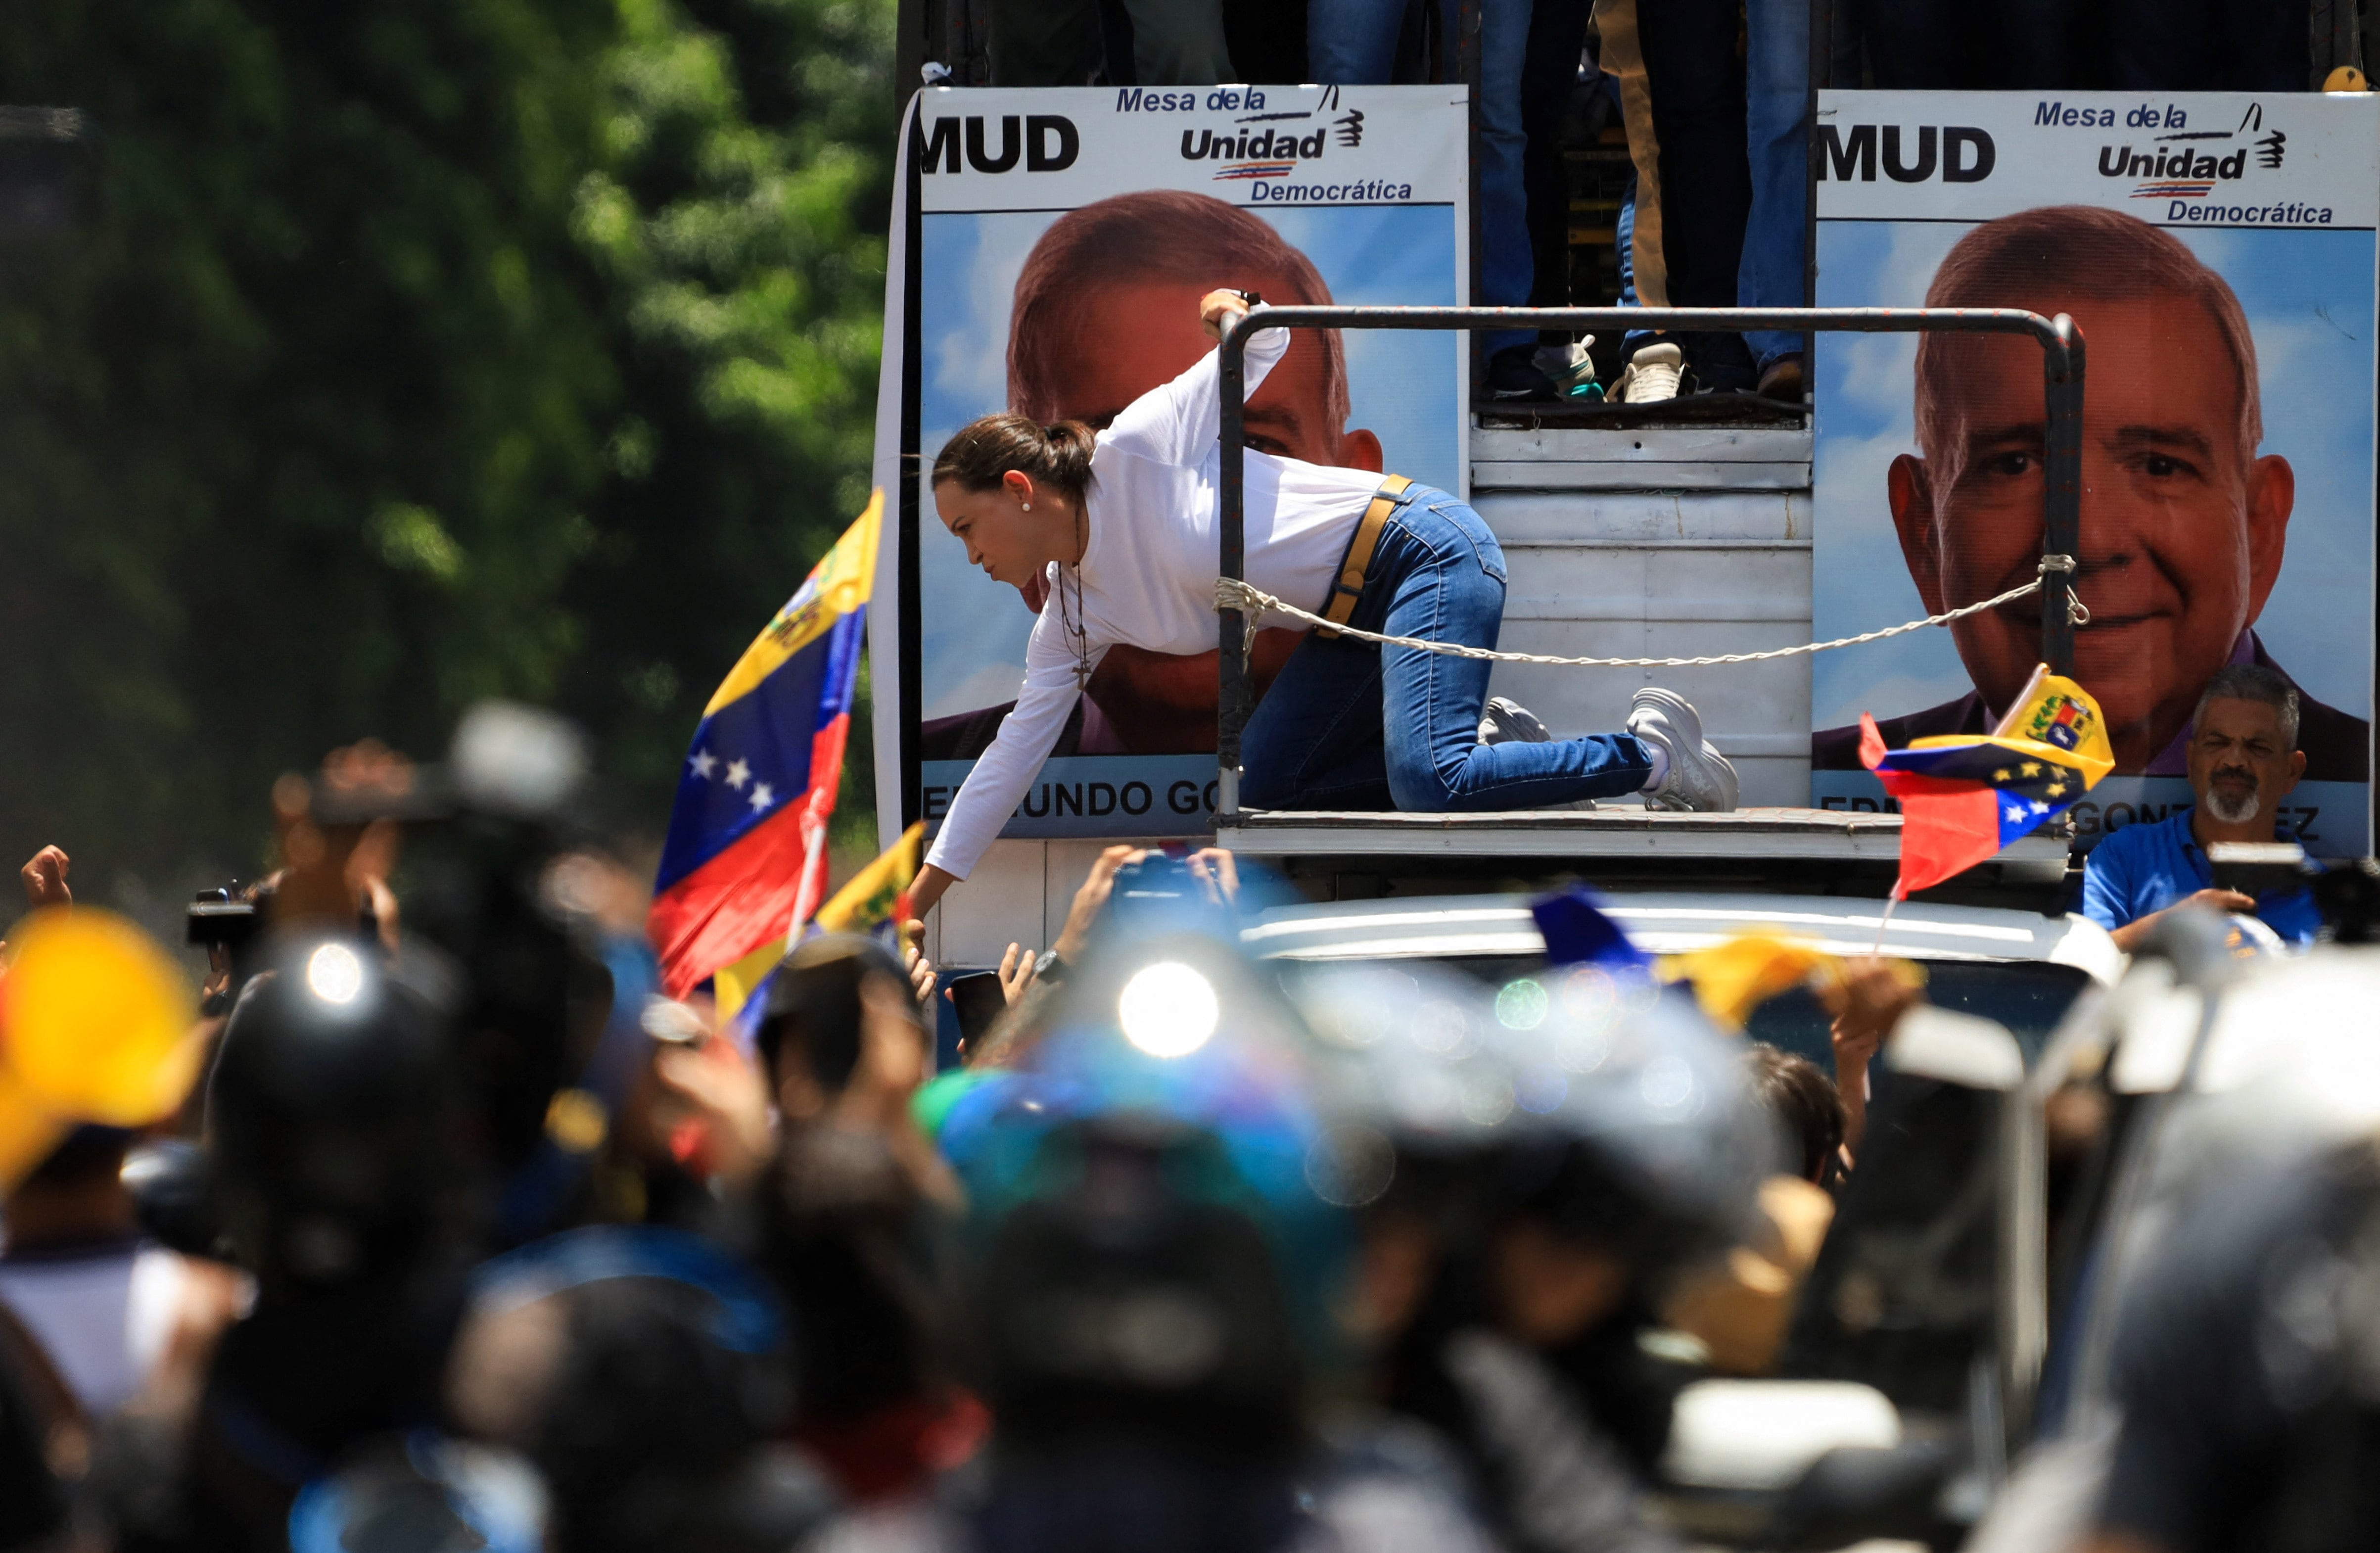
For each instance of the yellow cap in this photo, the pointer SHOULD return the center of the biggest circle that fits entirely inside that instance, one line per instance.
(95, 1025)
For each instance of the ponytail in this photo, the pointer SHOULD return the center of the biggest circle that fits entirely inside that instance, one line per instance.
(1057, 456)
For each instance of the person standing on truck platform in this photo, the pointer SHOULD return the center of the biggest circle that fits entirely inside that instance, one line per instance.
(1347, 725)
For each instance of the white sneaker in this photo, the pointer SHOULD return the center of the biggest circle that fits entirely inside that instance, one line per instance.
(1508, 721)
(1699, 777)
(1650, 377)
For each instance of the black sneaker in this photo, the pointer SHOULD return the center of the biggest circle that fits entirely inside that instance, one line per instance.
(1512, 375)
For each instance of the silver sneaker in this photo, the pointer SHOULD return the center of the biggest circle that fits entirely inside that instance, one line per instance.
(1652, 375)
(1508, 721)
(1699, 778)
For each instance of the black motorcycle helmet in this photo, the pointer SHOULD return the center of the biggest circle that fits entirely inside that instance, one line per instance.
(1137, 1303)
(645, 1371)
(330, 1116)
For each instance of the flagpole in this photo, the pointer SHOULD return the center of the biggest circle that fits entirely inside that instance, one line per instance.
(813, 885)
(1882, 922)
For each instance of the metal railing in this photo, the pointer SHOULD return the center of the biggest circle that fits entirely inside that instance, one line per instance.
(2062, 352)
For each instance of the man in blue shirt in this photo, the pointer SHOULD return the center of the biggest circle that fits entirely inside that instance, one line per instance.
(2243, 761)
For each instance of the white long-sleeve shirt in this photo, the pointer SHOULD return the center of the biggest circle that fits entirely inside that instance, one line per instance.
(1147, 572)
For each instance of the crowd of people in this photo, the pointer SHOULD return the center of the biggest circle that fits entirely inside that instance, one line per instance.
(454, 1233)
(1714, 96)
(466, 1236)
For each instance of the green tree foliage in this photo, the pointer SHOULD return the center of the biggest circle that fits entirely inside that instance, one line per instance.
(738, 218)
(407, 351)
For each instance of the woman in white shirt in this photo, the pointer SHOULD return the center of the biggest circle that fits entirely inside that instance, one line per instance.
(1123, 524)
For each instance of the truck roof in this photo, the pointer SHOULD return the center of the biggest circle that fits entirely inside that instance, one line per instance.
(1662, 922)
(1815, 851)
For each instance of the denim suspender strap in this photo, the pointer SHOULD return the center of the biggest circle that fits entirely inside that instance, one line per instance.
(1347, 586)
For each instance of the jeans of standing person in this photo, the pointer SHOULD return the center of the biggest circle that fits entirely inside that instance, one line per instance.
(1697, 83)
(1624, 235)
(1353, 42)
(1776, 103)
(1056, 42)
(1349, 725)
(1549, 82)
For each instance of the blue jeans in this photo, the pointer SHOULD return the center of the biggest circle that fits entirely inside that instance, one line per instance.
(1777, 87)
(1349, 725)
(1353, 42)
(1697, 83)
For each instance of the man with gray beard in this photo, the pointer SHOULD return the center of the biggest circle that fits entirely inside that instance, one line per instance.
(2244, 760)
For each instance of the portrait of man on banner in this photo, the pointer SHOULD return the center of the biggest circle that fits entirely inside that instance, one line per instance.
(2189, 505)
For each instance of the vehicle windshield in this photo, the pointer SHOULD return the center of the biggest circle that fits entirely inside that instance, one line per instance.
(2027, 996)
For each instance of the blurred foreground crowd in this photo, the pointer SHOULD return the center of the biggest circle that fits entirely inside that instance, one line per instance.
(455, 1233)
(441, 1228)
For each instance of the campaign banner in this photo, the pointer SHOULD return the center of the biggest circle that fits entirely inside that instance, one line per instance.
(1051, 247)
(2216, 250)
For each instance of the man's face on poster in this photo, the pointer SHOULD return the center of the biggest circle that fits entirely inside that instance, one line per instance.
(2182, 527)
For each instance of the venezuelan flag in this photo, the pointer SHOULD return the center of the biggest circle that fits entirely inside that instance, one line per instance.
(1964, 796)
(746, 857)
(878, 893)
(874, 900)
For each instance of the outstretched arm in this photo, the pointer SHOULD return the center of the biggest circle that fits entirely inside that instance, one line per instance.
(997, 785)
(1176, 422)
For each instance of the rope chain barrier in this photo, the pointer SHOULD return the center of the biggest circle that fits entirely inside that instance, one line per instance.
(1230, 593)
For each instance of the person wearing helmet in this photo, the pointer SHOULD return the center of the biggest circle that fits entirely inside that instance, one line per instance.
(1560, 1148)
(331, 1117)
(644, 1371)
(1148, 1293)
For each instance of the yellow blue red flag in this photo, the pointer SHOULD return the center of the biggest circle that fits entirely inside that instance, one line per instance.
(745, 860)
(878, 893)
(875, 900)
(1964, 797)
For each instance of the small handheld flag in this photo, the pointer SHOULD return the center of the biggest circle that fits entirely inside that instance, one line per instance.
(1964, 796)
(746, 857)
(1578, 933)
(1733, 978)
(878, 893)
